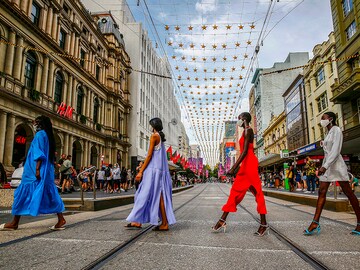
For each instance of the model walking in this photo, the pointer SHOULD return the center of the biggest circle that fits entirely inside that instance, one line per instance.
(247, 178)
(333, 169)
(153, 199)
(37, 194)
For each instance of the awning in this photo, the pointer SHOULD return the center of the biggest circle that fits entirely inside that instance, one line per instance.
(173, 167)
(270, 159)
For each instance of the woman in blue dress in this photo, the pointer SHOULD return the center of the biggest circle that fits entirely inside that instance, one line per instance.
(153, 199)
(37, 193)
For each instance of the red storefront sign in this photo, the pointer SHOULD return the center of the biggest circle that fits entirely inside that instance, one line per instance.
(20, 139)
(65, 111)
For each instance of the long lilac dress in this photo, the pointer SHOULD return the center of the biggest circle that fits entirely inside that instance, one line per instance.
(156, 180)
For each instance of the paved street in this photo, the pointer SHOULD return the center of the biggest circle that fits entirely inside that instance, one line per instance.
(190, 243)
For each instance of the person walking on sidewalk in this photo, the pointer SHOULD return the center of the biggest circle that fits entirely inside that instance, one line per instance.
(310, 168)
(153, 199)
(247, 178)
(37, 193)
(333, 169)
(67, 170)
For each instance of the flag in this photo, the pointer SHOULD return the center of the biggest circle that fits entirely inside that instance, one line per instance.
(169, 153)
(173, 157)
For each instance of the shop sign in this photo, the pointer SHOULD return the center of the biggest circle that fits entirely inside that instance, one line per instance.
(20, 140)
(306, 149)
(284, 153)
(65, 111)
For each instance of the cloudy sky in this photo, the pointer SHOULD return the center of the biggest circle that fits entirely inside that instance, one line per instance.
(210, 44)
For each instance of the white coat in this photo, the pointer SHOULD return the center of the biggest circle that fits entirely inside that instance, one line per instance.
(336, 169)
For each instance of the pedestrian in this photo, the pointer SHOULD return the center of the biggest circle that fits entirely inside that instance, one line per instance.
(67, 170)
(310, 168)
(123, 179)
(333, 169)
(37, 193)
(109, 178)
(59, 164)
(129, 177)
(277, 180)
(3, 177)
(116, 177)
(137, 171)
(290, 176)
(354, 183)
(246, 178)
(155, 191)
(101, 178)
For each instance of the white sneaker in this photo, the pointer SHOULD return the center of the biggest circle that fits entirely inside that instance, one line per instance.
(307, 192)
(122, 189)
(312, 192)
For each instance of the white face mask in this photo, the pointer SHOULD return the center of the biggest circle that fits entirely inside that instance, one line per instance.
(325, 123)
(36, 128)
(240, 122)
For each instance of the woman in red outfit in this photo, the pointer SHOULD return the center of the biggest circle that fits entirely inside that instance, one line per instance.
(247, 178)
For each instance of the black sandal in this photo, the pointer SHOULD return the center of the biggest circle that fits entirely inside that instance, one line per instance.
(157, 229)
(129, 225)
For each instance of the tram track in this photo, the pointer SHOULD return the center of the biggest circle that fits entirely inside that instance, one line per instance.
(108, 256)
(297, 249)
(48, 232)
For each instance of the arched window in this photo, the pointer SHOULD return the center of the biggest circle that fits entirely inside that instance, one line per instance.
(79, 103)
(30, 68)
(59, 83)
(96, 110)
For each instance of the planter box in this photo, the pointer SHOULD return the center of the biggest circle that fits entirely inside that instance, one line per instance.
(6, 197)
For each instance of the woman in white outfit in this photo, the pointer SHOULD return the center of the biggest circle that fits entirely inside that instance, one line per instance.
(333, 169)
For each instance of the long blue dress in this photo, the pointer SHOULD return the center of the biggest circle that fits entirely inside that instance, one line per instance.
(34, 197)
(156, 180)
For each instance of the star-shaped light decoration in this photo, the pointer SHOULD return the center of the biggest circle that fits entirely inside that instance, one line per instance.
(223, 69)
(182, 84)
(246, 55)
(231, 78)
(188, 78)
(238, 84)
(177, 67)
(203, 46)
(214, 59)
(205, 70)
(186, 69)
(223, 79)
(167, 27)
(181, 45)
(249, 42)
(183, 57)
(173, 57)
(215, 27)
(193, 58)
(170, 43)
(204, 59)
(195, 69)
(252, 26)
(224, 46)
(241, 27)
(233, 69)
(242, 67)
(225, 58)
(179, 77)
(192, 45)
(204, 27)
(228, 27)
(240, 77)
(214, 46)
(190, 28)
(177, 28)
(235, 57)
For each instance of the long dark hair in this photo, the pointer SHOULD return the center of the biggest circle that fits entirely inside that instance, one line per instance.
(156, 123)
(46, 125)
(333, 116)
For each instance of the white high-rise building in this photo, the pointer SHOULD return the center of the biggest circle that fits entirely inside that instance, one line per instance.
(151, 96)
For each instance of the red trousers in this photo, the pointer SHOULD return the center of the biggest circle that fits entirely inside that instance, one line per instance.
(238, 190)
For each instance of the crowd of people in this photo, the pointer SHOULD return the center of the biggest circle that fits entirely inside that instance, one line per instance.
(305, 179)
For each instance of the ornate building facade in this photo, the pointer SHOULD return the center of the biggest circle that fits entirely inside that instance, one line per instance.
(59, 61)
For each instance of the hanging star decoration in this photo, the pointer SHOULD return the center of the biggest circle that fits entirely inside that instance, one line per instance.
(167, 27)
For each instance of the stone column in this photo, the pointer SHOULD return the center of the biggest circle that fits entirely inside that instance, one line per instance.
(88, 102)
(69, 91)
(3, 116)
(9, 139)
(16, 2)
(45, 74)
(72, 44)
(76, 49)
(54, 29)
(312, 84)
(50, 82)
(91, 114)
(74, 94)
(9, 63)
(18, 58)
(28, 12)
(86, 153)
(49, 21)
(70, 145)
(66, 144)
(23, 6)
(102, 115)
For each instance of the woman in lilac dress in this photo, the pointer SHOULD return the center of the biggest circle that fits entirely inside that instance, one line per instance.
(153, 199)
(37, 193)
